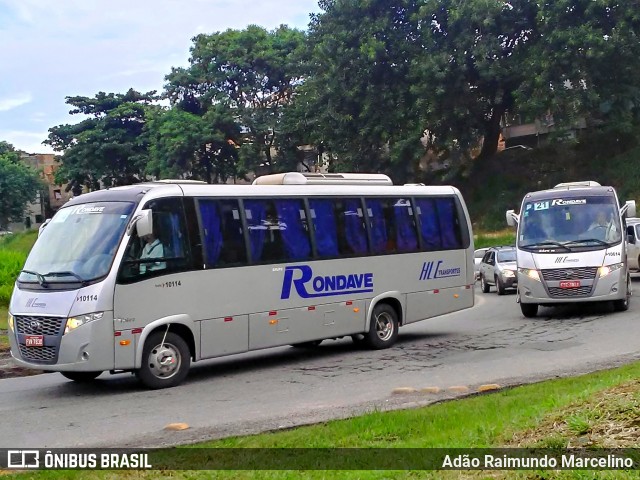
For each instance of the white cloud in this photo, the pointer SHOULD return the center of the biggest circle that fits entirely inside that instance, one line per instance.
(9, 103)
(76, 47)
(30, 142)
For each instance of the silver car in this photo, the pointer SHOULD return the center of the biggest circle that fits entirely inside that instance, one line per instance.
(498, 268)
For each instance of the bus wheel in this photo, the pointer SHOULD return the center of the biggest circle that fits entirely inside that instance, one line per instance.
(622, 305)
(164, 364)
(384, 327)
(81, 377)
(529, 310)
(311, 344)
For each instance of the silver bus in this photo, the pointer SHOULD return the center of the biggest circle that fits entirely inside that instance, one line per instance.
(148, 278)
(571, 247)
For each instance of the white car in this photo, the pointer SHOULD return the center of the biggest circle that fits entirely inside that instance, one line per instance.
(477, 258)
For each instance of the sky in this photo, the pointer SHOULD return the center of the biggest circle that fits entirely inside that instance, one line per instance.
(51, 49)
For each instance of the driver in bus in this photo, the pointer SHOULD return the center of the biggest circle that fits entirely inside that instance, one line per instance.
(602, 227)
(153, 248)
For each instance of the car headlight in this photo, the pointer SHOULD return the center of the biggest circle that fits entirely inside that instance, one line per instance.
(529, 272)
(10, 321)
(75, 322)
(509, 273)
(606, 270)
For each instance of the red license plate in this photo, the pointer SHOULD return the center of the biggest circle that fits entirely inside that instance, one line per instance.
(570, 284)
(34, 341)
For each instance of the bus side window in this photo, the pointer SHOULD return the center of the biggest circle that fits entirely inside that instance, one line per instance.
(405, 225)
(323, 219)
(222, 233)
(378, 225)
(429, 224)
(449, 223)
(352, 231)
(278, 230)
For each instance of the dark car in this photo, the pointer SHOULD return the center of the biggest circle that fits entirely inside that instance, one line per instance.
(498, 268)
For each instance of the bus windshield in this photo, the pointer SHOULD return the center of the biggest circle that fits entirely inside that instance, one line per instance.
(584, 222)
(78, 244)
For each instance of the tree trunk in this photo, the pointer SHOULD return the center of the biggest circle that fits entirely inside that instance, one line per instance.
(491, 134)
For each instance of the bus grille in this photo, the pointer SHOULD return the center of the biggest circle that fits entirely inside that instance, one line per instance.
(583, 273)
(557, 292)
(37, 325)
(39, 354)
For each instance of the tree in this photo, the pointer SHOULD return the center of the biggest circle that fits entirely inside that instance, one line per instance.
(586, 64)
(471, 67)
(19, 185)
(184, 144)
(359, 94)
(108, 147)
(253, 72)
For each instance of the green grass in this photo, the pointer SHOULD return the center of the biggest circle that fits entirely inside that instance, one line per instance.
(489, 420)
(491, 239)
(19, 242)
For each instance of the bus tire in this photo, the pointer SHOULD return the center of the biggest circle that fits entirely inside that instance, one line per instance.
(484, 285)
(311, 344)
(529, 310)
(499, 286)
(622, 305)
(164, 364)
(383, 331)
(81, 377)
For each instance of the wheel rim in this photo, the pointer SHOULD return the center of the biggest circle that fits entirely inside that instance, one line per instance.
(384, 326)
(164, 361)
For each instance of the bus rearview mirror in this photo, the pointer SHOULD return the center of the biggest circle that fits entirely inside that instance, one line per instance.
(144, 223)
(512, 218)
(629, 208)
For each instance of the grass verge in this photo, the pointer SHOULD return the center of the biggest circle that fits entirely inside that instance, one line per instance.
(557, 413)
(491, 239)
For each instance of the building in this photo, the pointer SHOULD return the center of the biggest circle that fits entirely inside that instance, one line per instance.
(50, 199)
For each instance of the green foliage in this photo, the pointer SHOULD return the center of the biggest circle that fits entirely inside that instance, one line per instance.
(19, 185)
(184, 144)
(13, 253)
(107, 147)
(359, 99)
(250, 72)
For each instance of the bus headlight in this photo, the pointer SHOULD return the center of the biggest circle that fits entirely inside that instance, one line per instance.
(10, 321)
(529, 272)
(606, 270)
(508, 273)
(75, 322)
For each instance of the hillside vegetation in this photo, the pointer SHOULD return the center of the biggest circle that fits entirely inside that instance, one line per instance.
(499, 183)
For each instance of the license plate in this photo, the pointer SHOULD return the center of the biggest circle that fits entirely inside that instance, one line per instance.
(570, 284)
(34, 341)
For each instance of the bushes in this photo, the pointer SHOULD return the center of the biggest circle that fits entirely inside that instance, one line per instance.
(11, 263)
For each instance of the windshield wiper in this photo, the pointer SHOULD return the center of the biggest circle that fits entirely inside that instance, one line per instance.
(66, 274)
(39, 276)
(545, 244)
(596, 240)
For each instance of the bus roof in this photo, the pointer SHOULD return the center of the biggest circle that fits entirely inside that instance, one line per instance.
(569, 192)
(135, 193)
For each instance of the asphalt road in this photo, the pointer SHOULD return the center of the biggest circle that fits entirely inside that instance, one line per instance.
(278, 388)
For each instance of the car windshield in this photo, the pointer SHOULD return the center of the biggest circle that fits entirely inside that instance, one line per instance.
(591, 221)
(507, 256)
(78, 244)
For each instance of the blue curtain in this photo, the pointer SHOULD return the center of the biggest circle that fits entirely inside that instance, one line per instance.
(256, 215)
(406, 237)
(212, 231)
(429, 228)
(448, 227)
(378, 226)
(324, 223)
(294, 235)
(354, 228)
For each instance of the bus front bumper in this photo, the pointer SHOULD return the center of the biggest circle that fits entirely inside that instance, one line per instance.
(599, 289)
(88, 348)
